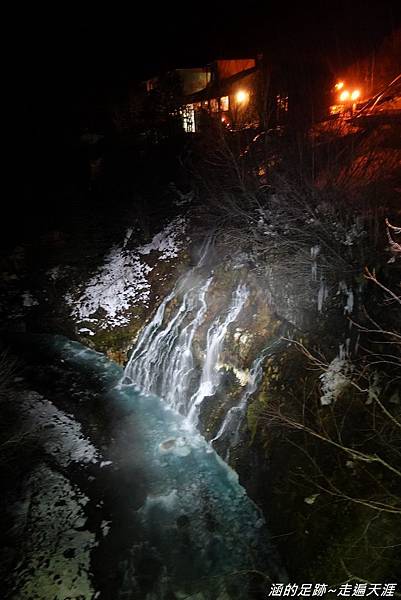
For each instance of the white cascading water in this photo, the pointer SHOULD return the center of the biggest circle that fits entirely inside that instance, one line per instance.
(210, 377)
(231, 427)
(163, 360)
(162, 363)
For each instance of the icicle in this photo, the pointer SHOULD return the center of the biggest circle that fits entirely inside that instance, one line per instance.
(314, 252)
(321, 295)
(348, 292)
(349, 306)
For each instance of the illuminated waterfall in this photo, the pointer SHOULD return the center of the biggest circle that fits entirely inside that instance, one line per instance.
(210, 377)
(231, 426)
(163, 361)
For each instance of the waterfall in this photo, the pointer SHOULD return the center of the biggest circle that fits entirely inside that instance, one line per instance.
(210, 377)
(231, 426)
(163, 360)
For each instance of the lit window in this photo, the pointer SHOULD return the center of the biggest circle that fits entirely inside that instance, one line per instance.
(188, 118)
(224, 105)
(214, 105)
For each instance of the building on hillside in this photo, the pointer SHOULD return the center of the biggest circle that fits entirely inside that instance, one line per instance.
(227, 91)
(230, 96)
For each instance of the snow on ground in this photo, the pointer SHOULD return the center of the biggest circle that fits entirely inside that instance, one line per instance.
(166, 242)
(55, 546)
(86, 330)
(122, 281)
(50, 518)
(60, 434)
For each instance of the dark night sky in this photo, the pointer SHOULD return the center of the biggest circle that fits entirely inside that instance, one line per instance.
(68, 62)
(109, 45)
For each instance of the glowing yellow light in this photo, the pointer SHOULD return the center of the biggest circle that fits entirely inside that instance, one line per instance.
(355, 94)
(344, 96)
(339, 85)
(242, 96)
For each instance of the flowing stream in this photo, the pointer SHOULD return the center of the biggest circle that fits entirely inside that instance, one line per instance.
(195, 517)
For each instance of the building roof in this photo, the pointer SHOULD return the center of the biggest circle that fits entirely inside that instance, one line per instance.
(223, 87)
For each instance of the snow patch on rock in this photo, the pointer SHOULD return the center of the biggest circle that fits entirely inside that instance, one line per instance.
(86, 330)
(122, 281)
(167, 241)
(334, 380)
(59, 433)
(56, 546)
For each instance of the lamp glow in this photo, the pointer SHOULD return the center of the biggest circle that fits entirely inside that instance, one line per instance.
(355, 94)
(242, 96)
(344, 96)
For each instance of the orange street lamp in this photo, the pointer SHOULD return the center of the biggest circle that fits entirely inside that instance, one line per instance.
(339, 85)
(344, 96)
(355, 95)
